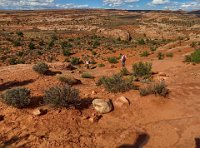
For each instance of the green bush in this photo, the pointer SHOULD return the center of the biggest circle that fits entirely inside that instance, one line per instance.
(124, 71)
(153, 48)
(13, 61)
(66, 52)
(61, 96)
(193, 57)
(94, 52)
(51, 44)
(160, 56)
(19, 33)
(116, 83)
(31, 46)
(169, 54)
(65, 45)
(17, 42)
(75, 61)
(101, 65)
(193, 44)
(87, 75)
(142, 69)
(156, 88)
(141, 42)
(41, 68)
(17, 97)
(112, 60)
(145, 54)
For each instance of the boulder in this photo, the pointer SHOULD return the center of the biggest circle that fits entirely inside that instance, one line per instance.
(121, 101)
(39, 112)
(102, 106)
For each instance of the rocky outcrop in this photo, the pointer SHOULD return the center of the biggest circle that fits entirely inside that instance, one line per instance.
(115, 33)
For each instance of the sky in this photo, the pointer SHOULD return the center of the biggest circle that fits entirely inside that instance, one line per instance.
(103, 4)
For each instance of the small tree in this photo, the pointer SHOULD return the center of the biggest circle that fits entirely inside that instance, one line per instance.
(17, 97)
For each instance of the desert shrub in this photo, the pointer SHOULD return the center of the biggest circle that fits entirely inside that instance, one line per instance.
(141, 42)
(112, 60)
(31, 46)
(17, 97)
(87, 75)
(41, 68)
(159, 88)
(169, 54)
(17, 42)
(4, 49)
(193, 57)
(65, 45)
(13, 61)
(153, 48)
(51, 44)
(61, 96)
(96, 44)
(116, 83)
(124, 71)
(144, 54)
(20, 53)
(142, 69)
(66, 52)
(20, 33)
(94, 52)
(101, 65)
(160, 56)
(193, 44)
(64, 79)
(41, 43)
(75, 61)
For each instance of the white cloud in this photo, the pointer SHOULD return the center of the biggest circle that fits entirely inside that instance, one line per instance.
(113, 3)
(159, 2)
(35, 4)
(184, 5)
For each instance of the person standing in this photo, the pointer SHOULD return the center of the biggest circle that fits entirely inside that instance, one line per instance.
(123, 60)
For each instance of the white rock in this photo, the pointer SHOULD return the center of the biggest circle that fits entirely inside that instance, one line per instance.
(38, 112)
(102, 105)
(121, 101)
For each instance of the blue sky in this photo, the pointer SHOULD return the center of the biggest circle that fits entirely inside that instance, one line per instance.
(116, 4)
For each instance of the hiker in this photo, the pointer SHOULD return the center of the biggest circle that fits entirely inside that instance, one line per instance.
(123, 60)
(87, 64)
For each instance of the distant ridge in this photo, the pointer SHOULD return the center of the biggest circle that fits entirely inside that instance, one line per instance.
(195, 12)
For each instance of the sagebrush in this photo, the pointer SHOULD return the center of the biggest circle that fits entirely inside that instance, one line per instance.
(116, 83)
(142, 69)
(61, 96)
(17, 97)
(41, 68)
